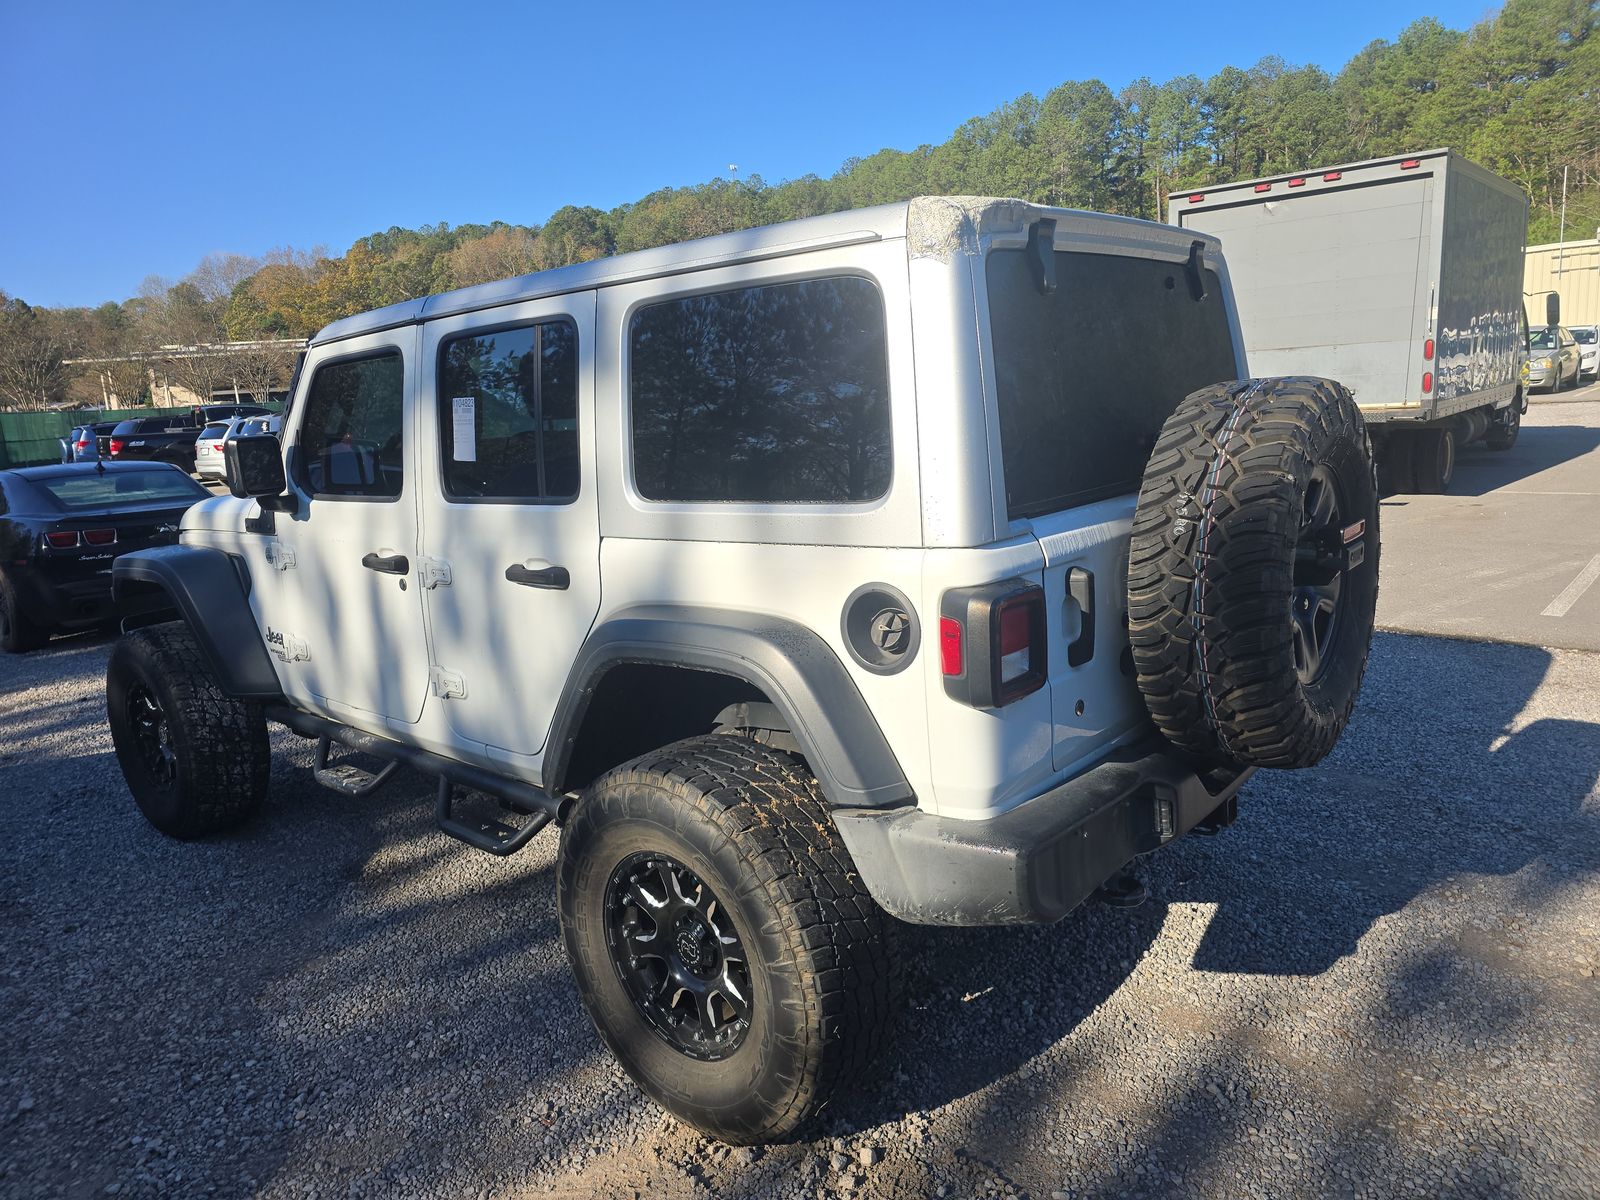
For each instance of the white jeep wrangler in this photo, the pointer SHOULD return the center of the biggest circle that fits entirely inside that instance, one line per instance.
(918, 562)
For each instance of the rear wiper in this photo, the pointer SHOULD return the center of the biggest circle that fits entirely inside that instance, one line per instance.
(1192, 269)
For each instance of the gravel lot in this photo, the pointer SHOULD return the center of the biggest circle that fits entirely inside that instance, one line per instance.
(1381, 981)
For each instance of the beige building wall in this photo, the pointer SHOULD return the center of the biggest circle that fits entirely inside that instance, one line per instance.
(1571, 268)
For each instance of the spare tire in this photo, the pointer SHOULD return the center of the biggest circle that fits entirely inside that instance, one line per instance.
(1253, 571)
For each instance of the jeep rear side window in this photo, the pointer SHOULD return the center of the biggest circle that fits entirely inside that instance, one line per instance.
(771, 394)
(351, 438)
(517, 391)
(1086, 375)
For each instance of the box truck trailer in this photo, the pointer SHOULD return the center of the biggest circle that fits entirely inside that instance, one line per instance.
(1399, 277)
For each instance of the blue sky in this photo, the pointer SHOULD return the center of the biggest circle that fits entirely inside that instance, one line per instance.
(139, 137)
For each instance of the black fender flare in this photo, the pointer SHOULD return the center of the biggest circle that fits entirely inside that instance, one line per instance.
(210, 590)
(794, 667)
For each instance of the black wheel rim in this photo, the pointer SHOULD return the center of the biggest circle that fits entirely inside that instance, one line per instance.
(1319, 576)
(152, 735)
(678, 955)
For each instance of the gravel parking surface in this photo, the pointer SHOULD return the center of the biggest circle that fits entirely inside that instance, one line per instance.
(1382, 981)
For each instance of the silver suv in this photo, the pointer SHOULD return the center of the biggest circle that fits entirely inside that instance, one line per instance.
(806, 577)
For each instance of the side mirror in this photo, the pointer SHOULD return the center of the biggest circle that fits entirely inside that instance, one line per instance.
(1552, 309)
(255, 468)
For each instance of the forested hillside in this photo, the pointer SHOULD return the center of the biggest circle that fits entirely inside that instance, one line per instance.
(1519, 93)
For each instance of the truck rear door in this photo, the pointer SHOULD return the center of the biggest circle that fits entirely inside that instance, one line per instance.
(1332, 280)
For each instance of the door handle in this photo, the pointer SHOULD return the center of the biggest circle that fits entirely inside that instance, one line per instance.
(554, 578)
(1080, 586)
(389, 564)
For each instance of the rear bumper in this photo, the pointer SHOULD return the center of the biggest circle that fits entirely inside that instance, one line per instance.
(1040, 860)
(63, 603)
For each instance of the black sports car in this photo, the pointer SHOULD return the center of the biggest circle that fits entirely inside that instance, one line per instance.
(61, 526)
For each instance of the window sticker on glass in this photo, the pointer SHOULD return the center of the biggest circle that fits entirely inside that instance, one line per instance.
(464, 434)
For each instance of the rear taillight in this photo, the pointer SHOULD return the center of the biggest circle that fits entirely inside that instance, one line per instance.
(100, 537)
(62, 539)
(216, 446)
(80, 445)
(1263, 187)
(1197, 197)
(1410, 164)
(1427, 350)
(992, 647)
(116, 445)
(1297, 183)
(1427, 383)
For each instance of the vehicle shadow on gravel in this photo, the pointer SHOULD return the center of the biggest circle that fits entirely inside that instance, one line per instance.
(1318, 856)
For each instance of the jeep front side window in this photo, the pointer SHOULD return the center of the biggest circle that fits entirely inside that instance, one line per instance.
(770, 394)
(352, 435)
(512, 395)
(1086, 375)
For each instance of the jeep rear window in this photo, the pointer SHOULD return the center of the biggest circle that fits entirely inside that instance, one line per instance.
(1085, 375)
(512, 394)
(772, 394)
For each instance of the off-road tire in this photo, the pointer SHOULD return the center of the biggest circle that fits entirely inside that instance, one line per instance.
(18, 634)
(1502, 434)
(749, 821)
(1433, 459)
(1212, 571)
(220, 760)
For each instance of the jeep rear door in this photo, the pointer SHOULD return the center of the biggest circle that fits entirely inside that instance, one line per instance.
(510, 519)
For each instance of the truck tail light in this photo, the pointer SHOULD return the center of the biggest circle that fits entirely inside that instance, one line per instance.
(1410, 164)
(1427, 350)
(100, 537)
(992, 642)
(1197, 197)
(1263, 187)
(1332, 176)
(1427, 383)
(62, 539)
(116, 445)
(1297, 183)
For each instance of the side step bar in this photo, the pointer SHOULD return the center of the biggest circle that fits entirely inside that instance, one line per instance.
(492, 836)
(347, 777)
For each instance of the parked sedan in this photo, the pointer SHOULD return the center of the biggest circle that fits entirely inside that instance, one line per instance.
(1552, 358)
(60, 528)
(1588, 339)
(85, 443)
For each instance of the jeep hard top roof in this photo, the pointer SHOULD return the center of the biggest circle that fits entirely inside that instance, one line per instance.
(936, 226)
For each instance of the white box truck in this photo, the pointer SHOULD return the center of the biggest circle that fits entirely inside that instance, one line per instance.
(1399, 277)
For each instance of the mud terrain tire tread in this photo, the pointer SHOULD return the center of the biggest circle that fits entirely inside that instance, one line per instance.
(820, 925)
(1211, 571)
(220, 742)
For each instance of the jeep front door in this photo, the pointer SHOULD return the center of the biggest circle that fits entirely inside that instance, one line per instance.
(510, 520)
(344, 612)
